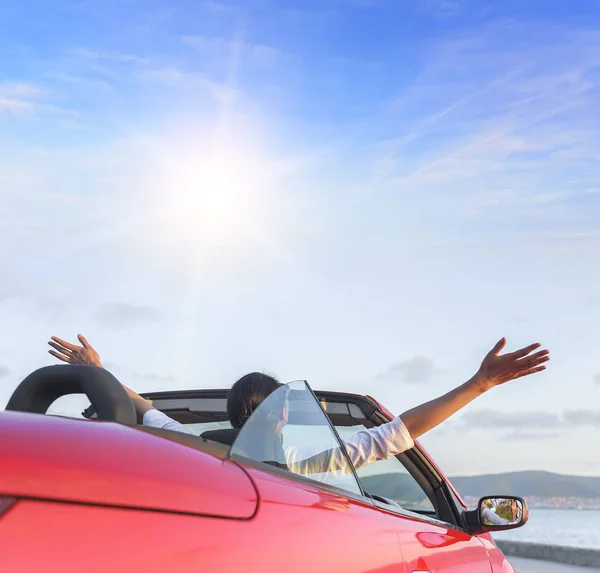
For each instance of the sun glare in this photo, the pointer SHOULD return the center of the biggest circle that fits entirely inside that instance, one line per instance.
(209, 198)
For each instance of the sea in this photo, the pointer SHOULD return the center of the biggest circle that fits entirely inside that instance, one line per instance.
(571, 527)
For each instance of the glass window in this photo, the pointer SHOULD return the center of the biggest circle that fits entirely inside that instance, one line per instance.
(390, 479)
(290, 430)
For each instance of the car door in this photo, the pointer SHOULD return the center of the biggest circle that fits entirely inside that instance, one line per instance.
(420, 506)
(437, 547)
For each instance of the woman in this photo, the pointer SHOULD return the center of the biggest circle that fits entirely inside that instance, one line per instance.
(490, 517)
(366, 446)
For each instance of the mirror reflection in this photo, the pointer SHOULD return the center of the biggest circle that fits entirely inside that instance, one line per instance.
(501, 511)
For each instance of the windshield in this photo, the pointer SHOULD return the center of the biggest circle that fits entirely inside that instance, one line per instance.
(289, 430)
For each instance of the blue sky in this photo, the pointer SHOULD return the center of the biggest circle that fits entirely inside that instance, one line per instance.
(366, 194)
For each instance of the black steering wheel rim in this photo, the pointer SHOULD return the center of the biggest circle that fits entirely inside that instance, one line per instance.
(41, 388)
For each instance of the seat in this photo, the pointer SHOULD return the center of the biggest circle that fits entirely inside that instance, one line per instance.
(226, 436)
(266, 450)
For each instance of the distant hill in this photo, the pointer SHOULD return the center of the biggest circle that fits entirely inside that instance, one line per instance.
(528, 484)
(524, 484)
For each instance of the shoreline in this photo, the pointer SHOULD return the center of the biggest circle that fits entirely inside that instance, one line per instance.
(583, 557)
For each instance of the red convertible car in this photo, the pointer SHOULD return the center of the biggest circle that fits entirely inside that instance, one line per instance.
(279, 495)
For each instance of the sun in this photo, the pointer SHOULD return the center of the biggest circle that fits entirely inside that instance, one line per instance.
(210, 195)
(209, 200)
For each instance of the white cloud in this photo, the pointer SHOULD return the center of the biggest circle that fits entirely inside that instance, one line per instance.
(582, 417)
(218, 6)
(530, 436)
(182, 80)
(71, 80)
(416, 370)
(122, 315)
(15, 106)
(219, 48)
(111, 56)
(18, 98)
(491, 419)
(487, 124)
(18, 90)
(299, 14)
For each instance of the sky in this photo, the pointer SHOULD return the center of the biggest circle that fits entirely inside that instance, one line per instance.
(366, 194)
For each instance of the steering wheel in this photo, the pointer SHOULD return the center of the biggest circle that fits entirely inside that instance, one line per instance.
(41, 388)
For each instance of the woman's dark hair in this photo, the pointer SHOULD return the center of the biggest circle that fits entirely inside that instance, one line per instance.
(246, 394)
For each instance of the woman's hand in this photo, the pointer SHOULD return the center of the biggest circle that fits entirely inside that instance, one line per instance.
(497, 369)
(85, 354)
(494, 370)
(73, 354)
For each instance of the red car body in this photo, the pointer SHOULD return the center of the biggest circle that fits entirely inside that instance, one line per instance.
(95, 496)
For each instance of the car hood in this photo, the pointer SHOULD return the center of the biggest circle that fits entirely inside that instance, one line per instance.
(102, 463)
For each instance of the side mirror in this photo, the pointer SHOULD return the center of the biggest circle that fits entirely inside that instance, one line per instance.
(498, 514)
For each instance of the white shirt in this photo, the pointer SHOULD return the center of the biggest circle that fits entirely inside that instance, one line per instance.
(365, 447)
(493, 517)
